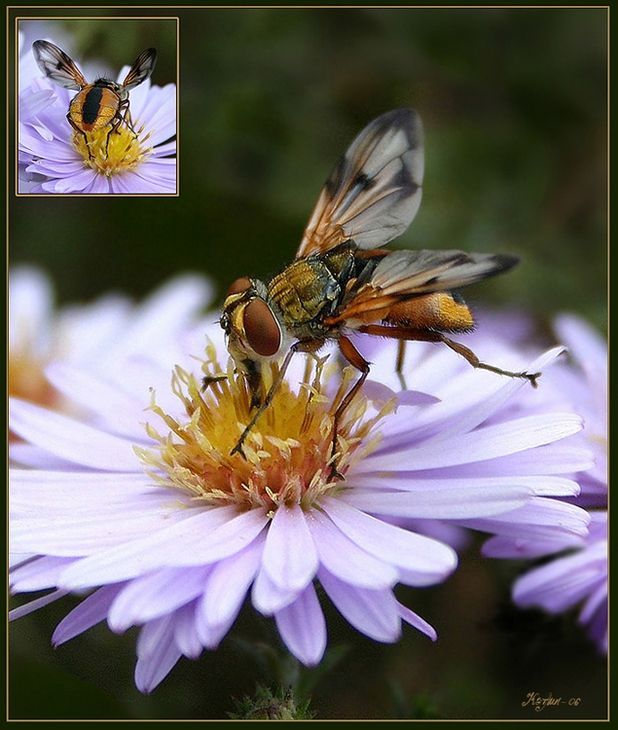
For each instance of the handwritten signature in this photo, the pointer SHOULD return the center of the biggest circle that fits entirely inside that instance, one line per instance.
(538, 702)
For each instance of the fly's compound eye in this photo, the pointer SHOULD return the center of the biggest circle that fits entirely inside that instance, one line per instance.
(239, 286)
(261, 328)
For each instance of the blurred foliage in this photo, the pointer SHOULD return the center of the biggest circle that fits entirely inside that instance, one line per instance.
(514, 106)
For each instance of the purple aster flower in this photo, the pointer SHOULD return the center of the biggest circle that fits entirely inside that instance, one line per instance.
(170, 532)
(580, 575)
(578, 578)
(53, 158)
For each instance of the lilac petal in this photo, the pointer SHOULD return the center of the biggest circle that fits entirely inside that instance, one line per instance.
(290, 558)
(69, 439)
(229, 582)
(539, 485)
(99, 186)
(38, 575)
(157, 653)
(30, 305)
(44, 149)
(91, 611)
(185, 632)
(267, 598)
(550, 459)
(454, 503)
(389, 543)
(461, 395)
(487, 407)
(380, 394)
(27, 455)
(593, 603)
(155, 595)
(84, 530)
(344, 559)
(158, 317)
(585, 343)
(71, 184)
(53, 168)
(373, 613)
(48, 490)
(16, 560)
(32, 606)
(31, 104)
(516, 548)
(540, 518)
(130, 183)
(202, 538)
(211, 636)
(415, 620)
(164, 150)
(116, 407)
(562, 583)
(482, 444)
(303, 628)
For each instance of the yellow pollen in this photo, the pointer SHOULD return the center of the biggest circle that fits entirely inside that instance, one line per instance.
(124, 151)
(287, 455)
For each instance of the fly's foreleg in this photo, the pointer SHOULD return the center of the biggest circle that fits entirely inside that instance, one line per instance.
(262, 405)
(353, 356)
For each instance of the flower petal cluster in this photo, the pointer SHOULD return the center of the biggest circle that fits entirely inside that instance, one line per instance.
(170, 532)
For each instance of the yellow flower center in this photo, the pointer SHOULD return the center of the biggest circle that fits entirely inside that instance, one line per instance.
(287, 455)
(111, 152)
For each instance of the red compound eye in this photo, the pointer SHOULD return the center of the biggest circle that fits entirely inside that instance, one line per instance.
(261, 328)
(239, 286)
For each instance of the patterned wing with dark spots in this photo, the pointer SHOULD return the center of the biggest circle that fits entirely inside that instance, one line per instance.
(374, 191)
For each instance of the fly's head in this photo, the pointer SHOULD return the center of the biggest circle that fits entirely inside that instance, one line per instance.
(253, 331)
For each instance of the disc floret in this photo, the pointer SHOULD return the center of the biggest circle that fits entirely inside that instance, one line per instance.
(287, 455)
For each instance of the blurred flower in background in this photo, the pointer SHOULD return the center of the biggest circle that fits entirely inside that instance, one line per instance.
(54, 158)
(171, 531)
(99, 337)
(574, 566)
(578, 577)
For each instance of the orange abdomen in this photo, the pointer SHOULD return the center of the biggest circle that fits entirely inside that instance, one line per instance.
(93, 108)
(442, 311)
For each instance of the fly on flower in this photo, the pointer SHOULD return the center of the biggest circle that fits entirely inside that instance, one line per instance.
(342, 280)
(101, 104)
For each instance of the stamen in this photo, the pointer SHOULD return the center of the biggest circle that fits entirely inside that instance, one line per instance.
(287, 455)
(111, 152)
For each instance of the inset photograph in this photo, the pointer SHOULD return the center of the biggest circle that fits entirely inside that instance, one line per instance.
(97, 107)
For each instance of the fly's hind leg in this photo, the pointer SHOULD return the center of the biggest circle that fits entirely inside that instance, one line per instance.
(401, 354)
(83, 134)
(401, 333)
(467, 353)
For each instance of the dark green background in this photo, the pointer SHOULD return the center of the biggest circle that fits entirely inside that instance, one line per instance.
(514, 106)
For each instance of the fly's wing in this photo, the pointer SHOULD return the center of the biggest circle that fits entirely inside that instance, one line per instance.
(57, 66)
(402, 275)
(374, 191)
(141, 69)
